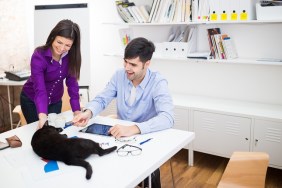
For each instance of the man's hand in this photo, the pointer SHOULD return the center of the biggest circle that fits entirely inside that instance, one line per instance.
(120, 130)
(82, 119)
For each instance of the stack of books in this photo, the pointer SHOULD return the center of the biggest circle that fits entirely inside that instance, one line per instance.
(221, 45)
(161, 11)
(131, 13)
(170, 11)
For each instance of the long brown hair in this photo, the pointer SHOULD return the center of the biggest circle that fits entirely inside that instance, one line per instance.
(70, 30)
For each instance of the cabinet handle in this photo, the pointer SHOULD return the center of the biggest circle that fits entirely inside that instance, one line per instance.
(256, 141)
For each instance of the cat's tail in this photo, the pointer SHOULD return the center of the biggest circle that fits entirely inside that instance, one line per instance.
(107, 151)
(83, 163)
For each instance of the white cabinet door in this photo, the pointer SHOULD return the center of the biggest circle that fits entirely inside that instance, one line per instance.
(181, 118)
(268, 138)
(220, 134)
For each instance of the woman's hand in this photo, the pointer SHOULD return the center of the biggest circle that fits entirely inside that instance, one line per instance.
(42, 119)
(76, 113)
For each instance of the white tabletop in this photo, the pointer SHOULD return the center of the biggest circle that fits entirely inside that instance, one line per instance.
(21, 167)
(7, 82)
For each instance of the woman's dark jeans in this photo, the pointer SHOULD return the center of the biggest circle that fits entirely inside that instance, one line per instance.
(29, 109)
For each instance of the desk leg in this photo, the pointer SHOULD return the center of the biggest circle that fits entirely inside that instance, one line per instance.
(10, 107)
(190, 155)
(150, 181)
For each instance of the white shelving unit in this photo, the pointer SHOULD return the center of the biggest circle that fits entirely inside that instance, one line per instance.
(211, 24)
(230, 108)
(221, 61)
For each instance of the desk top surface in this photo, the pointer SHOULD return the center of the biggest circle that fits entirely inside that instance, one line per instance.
(6, 82)
(21, 167)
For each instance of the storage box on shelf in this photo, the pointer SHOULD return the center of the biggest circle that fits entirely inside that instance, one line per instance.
(268, 12)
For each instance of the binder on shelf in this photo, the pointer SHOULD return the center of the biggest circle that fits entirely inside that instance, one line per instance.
(195, 6)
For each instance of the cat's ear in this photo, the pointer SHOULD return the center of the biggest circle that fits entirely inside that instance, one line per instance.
(46, 123)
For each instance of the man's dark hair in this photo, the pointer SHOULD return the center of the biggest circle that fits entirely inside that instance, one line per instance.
(139, 47)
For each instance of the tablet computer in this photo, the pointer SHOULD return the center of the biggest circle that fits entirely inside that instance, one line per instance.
(97, 128)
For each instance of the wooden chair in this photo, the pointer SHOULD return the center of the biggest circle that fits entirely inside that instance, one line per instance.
(18, 111)
(66, 100)
(245, 169)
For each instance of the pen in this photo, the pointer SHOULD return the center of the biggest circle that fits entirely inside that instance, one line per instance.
(68, 124)
(143, 142)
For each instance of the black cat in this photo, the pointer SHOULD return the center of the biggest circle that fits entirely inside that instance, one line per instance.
(48, 143)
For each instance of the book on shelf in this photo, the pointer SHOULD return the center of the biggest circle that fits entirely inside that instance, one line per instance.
(144, 12)
(187, 10)
(133, 14)
(229, 47)
(153, 10)
(168, 11)
(221, 45)
(212, 43)
(129, 12)
(122, 8)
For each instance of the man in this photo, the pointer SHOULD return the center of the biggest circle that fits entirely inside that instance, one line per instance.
(142, 96)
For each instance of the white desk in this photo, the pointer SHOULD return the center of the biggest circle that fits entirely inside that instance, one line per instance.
(9, 83)
(21, 167)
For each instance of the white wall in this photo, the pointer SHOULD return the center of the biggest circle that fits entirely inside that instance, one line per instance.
(14, 46)
(260, 83)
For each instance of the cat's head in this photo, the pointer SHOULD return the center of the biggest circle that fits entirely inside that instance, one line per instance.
(51, 128)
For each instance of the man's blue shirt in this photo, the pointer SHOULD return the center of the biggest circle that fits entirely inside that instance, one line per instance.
(152, 109)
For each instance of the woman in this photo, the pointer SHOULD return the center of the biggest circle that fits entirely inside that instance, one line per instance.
(58, 60)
